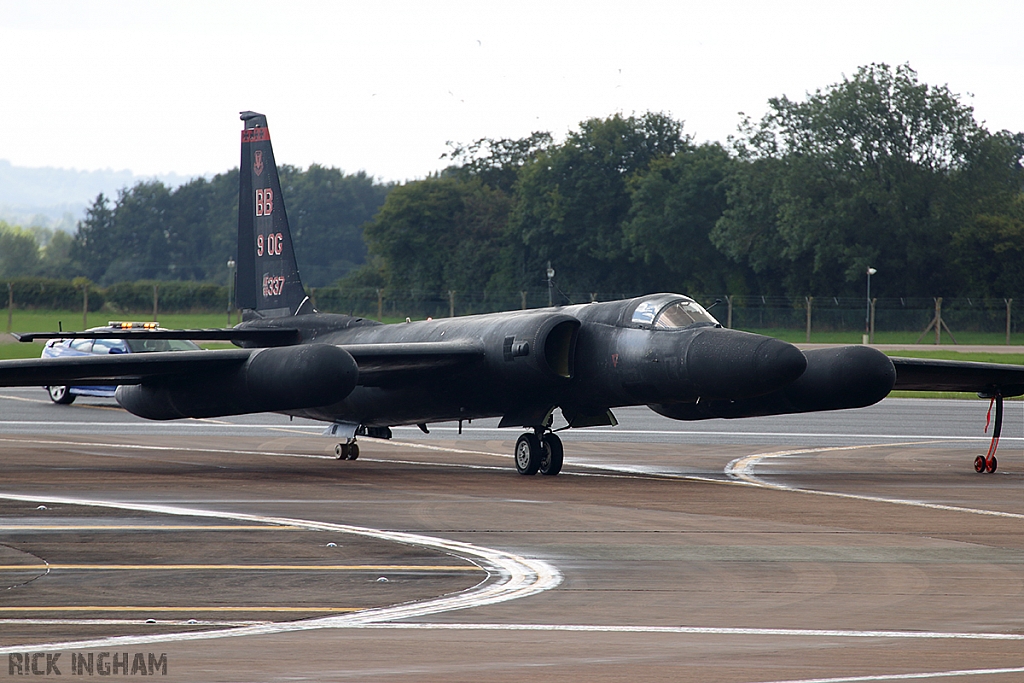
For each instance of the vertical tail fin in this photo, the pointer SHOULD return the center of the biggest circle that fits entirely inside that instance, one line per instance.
(268, 284)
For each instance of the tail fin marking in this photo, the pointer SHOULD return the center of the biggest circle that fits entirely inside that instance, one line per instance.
(268, 283)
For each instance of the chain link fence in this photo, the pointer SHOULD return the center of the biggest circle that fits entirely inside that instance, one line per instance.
(907, 315)
(820, 315)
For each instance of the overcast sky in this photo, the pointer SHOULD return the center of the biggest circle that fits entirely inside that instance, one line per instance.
(155, 87)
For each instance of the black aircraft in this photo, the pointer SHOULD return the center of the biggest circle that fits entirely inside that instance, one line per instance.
(662, 350)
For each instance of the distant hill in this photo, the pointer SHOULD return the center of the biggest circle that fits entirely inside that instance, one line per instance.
(57, 197)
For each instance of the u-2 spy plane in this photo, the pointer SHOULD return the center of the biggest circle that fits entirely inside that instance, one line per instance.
(662, 350)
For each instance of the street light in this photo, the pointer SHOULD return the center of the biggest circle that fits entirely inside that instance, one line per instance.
(231, 286)
(550, 273)
(867, 311)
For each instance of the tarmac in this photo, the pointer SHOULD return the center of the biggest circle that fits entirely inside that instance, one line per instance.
(855, 546)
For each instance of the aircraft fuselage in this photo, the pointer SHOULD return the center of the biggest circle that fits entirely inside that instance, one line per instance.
(584, 359)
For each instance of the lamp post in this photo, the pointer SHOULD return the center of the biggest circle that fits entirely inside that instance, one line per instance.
(867, 311)
(550, 273)
(231, 286)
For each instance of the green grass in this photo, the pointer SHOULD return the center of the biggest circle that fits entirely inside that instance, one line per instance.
(967, 338)
(47, 321)
(946, 394)
(977, 357)
(12, 350)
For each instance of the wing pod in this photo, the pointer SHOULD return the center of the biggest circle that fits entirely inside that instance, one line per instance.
(835, 378)
(275, 379)
(728, 364)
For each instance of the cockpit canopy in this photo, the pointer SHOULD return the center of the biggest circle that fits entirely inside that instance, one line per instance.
(670, 313)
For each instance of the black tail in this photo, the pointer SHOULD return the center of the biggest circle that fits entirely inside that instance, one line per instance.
(268, 284)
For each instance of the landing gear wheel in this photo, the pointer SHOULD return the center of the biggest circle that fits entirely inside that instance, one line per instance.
(979, 464)
(528, 454)
(551, 460)
(347, 451)
(60, 395)
(990, 465)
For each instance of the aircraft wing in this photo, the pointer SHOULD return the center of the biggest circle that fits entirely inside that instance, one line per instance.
(381, 364)
(276, 336)
(127, 368)
(378, 363)
(987, 379)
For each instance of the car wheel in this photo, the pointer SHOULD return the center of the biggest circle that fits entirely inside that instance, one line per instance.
(60, 395)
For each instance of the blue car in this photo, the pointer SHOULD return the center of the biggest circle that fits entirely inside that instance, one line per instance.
(56, 348)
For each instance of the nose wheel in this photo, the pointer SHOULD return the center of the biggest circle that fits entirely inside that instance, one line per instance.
(535, 454)
(988, 463)
(983, 464)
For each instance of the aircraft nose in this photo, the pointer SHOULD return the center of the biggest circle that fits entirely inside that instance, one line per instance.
(727, 364)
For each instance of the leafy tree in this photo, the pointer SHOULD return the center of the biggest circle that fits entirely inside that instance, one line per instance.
(496, 162)
(19, 253)
(189, 233)
(990, 252)
(876, 170)
(573, 199)
(439, 234)
(55, 261)
(95, 242)
(674, 208)
(327, 210)
(198, 233)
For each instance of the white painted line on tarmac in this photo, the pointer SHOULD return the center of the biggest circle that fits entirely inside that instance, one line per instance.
(907, 677)
(445, 449)
(187, 422)
(504, 433)
(24, 399)
(621, 471)
(509, 577)
(711, 630)
(126, 622)
(742, 469)
(734, 433)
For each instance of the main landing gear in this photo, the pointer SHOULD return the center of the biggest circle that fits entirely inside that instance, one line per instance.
(347, 451)
(988, 463)
(539, 452)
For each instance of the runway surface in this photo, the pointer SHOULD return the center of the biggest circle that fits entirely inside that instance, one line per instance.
(852, 546)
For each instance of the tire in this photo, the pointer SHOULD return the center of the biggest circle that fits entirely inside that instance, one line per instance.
(551, 461)
(353, 452)
(528, 454)
(979, 464)
(991, 465)
(60, 395)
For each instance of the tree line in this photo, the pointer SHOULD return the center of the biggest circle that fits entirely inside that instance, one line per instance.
(153, 232)
(877, 170)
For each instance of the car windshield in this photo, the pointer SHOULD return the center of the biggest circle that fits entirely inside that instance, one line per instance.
(109, 346)
(683, 314)
(145, 345)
